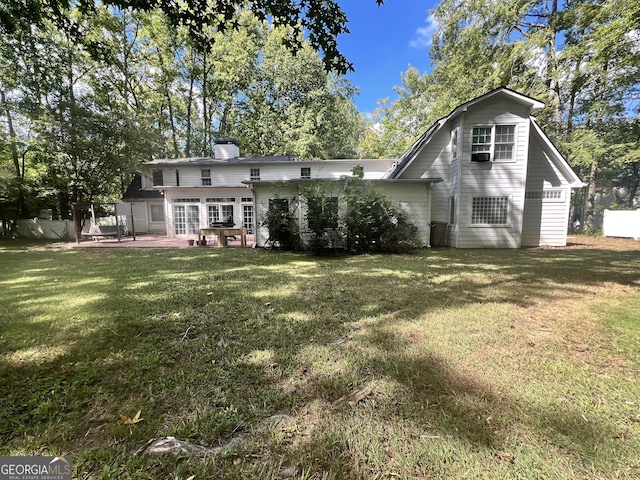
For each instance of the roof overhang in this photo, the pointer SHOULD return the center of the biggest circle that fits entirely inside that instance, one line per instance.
(555, 156)
(382, 181)
(163, 188)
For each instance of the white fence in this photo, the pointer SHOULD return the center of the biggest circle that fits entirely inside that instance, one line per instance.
(60, 229)
(49, 229)
(621, 223)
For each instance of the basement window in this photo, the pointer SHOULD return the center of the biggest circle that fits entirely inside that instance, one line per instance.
(490, 211)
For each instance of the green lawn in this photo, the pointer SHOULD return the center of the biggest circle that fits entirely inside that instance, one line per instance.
(479, 364)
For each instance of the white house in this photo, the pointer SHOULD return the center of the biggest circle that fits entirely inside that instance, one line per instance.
(487, 171)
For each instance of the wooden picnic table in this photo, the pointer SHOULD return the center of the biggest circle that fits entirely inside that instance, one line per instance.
(222, 233)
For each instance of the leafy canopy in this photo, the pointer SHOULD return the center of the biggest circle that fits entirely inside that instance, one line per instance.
(323, 21)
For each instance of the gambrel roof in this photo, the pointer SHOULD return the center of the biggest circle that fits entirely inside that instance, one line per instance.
(534, 105)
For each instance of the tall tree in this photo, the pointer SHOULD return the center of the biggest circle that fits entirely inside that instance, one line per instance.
(323, 21)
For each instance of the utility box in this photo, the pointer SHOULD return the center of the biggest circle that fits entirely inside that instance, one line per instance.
(438, 234)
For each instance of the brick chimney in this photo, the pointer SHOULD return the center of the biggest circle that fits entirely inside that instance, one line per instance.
(226, 148)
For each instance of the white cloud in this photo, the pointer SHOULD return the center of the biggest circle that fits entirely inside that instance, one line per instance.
(424, 35)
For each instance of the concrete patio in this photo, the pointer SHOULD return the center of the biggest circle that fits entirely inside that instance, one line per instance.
(152, 241)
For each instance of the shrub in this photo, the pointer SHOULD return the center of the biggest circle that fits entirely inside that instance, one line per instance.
(281, 223)
(373, 223)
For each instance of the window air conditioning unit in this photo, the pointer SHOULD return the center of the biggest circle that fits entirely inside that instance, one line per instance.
(480, 157)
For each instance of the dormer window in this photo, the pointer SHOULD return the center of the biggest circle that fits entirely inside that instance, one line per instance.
(205, 176)
(493, 143)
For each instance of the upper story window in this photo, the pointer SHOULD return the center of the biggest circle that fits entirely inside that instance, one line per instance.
(455, 151)
(504, 141)
(494, 143)
(205, 176)
(255, 174)
(305, 172)
(158, 178)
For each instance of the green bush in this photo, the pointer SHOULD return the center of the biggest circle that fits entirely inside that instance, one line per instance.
(281, 224)
(362, 220)
(373, 223)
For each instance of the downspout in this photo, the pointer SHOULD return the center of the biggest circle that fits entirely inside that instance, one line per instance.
(256, 231)
(429, 186)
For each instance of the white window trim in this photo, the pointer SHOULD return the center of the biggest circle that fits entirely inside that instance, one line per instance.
(492, 149)
(546, 195)
(164, 213)
(455, 144)
(205, 177)
(492, 225)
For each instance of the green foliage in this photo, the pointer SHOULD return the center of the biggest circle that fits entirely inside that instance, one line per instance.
(360, 219)
(281, 222)
(322, 21)
(321, 214)
(372, 222)
(88, 113)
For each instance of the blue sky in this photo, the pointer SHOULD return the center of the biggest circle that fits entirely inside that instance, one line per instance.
(382, 44)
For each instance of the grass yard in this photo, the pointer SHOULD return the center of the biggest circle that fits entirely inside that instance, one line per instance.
(470, 363)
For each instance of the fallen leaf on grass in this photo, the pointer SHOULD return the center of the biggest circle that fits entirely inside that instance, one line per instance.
(303, 368)
(131, 421)
(582, 348)
(352, 398)
(507, 456)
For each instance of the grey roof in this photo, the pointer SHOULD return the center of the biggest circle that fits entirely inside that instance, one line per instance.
(222, 161)
(135, 191)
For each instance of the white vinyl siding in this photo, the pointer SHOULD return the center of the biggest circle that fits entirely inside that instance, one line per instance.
(435, 161)
(547, 200)
(495, 178)
(232, 175)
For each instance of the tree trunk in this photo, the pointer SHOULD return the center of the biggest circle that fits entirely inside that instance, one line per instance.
(187, 147)
(636, 184)
(591, 197)
(21, 210)
(12, 135)
(167, 94)
(205, 127)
